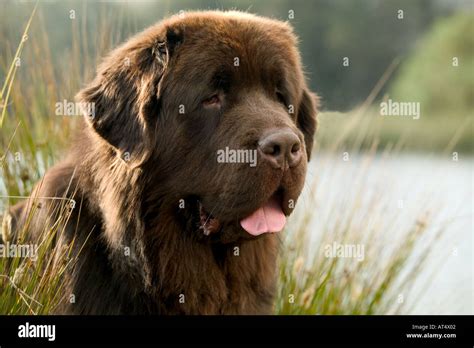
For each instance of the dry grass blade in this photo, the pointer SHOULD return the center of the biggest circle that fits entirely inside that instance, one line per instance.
(7, 85)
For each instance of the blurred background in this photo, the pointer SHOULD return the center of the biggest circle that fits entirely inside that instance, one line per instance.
(400, 186)
(370, 33)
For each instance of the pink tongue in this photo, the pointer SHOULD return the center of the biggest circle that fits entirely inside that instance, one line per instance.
(269, 218)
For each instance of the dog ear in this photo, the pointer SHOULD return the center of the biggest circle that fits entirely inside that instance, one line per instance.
(307, 118)
(119, 102)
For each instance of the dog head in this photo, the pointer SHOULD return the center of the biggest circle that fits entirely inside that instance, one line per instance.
(214, 109)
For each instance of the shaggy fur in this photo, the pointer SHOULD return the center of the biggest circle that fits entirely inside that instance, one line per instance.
(145, 163)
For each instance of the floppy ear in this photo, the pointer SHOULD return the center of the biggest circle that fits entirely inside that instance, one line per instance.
(118, 103)
(306, 120)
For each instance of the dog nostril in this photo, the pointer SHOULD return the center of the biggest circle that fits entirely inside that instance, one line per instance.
(296, 147)
(276, 150)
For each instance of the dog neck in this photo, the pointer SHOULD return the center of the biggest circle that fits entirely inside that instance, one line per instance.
(173, 265)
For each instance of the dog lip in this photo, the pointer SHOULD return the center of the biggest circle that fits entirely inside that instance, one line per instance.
(290, 202)
(278, 193)
(208, 223)
(282, 196)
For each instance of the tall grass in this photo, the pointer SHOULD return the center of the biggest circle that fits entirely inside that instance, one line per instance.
(313, 281)
(380, 280)
(33, 138)
(35, 284)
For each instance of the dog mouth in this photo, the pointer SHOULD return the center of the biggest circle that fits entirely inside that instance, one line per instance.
(268, 218)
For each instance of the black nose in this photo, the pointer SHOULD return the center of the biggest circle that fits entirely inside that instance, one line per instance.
(281, 148)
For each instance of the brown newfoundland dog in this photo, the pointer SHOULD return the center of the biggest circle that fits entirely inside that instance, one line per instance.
(192, 157)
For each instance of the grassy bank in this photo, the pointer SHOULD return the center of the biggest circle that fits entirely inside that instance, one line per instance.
(426, 134)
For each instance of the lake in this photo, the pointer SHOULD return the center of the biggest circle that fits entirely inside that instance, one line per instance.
(388, 193)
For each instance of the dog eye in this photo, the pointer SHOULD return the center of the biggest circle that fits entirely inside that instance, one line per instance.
(280, 97)
(213, 101)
